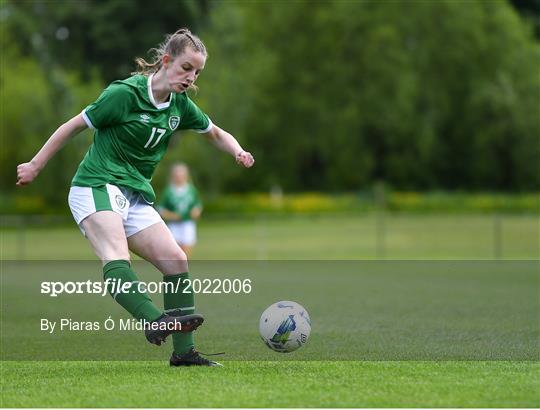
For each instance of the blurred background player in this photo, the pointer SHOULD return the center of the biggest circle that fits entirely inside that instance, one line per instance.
(181, 207)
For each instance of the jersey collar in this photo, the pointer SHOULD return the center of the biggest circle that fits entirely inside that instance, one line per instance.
(151, 96)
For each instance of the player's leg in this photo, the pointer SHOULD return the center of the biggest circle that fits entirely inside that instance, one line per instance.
(177, 232)
(187, 250)
(187, 237)
(102, 224)
(156, 244)
(105, 231)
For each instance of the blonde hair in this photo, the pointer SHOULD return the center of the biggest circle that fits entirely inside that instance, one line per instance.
(174, 45)
(180, 166)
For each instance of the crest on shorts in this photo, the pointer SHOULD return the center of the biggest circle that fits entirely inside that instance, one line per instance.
(173, 122)
(120, 201)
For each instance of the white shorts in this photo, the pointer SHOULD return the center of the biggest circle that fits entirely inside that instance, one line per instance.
(185, 233)
(136, 213)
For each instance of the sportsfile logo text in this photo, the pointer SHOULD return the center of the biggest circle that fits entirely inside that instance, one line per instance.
(54, 289)
(116, 286)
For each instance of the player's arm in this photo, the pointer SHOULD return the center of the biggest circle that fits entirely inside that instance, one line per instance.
(165, 207)
(197, 207)
(28, 171)
(169, 215)
(226, 142)
(195, 213)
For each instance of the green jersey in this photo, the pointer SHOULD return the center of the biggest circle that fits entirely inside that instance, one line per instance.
(180, 200)
(132, 133)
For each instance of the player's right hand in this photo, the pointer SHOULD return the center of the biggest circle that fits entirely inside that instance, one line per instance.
(26, 173)
(245, 159)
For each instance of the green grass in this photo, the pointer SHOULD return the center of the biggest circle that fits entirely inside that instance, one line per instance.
(361, 310)
(429, 333)
(320, 237)
(272, 384)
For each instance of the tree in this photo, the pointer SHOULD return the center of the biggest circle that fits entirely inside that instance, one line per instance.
(106, 35)
(420, 94)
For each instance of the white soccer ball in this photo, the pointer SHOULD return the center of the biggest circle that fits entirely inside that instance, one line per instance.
(285, 326)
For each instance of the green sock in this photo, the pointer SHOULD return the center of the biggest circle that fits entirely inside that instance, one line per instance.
(137, 303)
(182, 342)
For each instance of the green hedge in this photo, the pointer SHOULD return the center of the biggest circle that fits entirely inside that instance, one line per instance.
(463, 202)
(314, 203)
(317, 203)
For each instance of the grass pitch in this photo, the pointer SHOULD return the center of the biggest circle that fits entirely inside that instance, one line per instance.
(403, 337)
(272, 384)
(396, 236)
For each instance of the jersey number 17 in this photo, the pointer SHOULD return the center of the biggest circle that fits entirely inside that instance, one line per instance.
(160, 132)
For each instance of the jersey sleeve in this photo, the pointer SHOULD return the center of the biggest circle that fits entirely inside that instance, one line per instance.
(197, 203)
(165, 201)
(109, 109)
(195, 119)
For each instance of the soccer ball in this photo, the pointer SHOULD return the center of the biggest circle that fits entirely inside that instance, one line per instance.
(285, 326)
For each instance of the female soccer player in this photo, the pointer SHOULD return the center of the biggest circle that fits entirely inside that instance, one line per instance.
(111, 196)
(181, 207)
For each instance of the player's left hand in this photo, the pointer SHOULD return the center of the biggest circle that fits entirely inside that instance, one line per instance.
(195, 213)
(245, 159)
